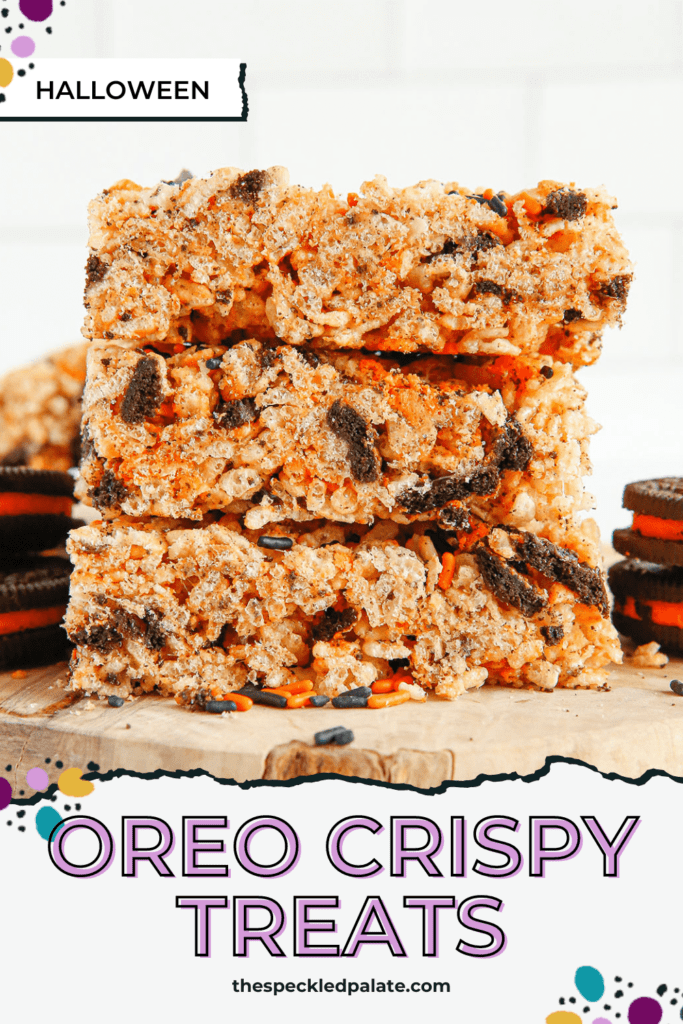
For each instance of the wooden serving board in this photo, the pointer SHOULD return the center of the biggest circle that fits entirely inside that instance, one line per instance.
(635, 726)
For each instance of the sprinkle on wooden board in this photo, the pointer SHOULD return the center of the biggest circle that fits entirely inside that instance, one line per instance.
(388, 700)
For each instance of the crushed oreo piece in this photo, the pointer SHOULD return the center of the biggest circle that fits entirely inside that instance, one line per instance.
(507, 584)
(562, 566)
(350, 426)
(214, 362)
(617, 288)
(95, 270)
(143, 394)
(101, 637)
(224, 296)
(547, 372)
(184, 176)
(565, 204)
(247, 187)
(275, 543)
(333, 622)
(552, 634)
(155, 637)
(454, 517)
(236, 413)
(570, 315)
(109, 493)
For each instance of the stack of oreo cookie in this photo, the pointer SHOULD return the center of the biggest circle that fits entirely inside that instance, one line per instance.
(35, 507)
(648, 584)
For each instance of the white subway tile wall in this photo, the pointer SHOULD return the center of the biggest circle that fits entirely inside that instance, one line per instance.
(501, 95)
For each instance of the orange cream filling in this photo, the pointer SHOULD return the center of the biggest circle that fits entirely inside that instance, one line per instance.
(665, 613)
(30, 618)
(653, 526)
(34, 504)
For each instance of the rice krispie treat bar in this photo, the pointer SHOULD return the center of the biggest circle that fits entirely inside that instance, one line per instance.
(278, 433)
(40, 411)
(197, 610)
(434, 267)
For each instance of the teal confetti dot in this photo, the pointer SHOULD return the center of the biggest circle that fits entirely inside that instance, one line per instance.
(46, 819)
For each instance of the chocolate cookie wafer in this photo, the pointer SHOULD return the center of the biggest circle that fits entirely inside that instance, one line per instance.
(35, 507)
(656, 534)
(648, 602)
(34, 591)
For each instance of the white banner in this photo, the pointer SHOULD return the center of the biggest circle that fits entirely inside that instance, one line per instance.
(187, 898)
(103, 89)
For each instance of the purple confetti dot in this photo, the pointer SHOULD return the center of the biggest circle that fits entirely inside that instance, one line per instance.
(644, 1011)
(5, 793)
(601, 1020)
(23, 46)
(37, 778)
(36, 10)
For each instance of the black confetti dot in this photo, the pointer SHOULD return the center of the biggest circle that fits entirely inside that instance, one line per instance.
(5, 12)
(561, 1000)
(617, 979)
(8, 29)
(54, 799)
(618, 994)
(67, 807)
(31, 66)
(586, 1009)
(673, 1002)
(59, 764)
(21, 814)
(22, 828)
(607, 1006)
(21, 792)
(9, 822)
(47, 760)
(21, 26)
(21, 72)
(49, 31)
(630, 985)
(78, 807)
(8, 768)
(677, 990)
(92, 767)
(661, 990)
(571, 999)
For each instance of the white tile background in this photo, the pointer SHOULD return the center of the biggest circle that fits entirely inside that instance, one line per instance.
(501, 94)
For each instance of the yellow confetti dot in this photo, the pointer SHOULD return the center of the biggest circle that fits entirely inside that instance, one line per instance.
(6, 72)
(563, 1017)
(71, 784)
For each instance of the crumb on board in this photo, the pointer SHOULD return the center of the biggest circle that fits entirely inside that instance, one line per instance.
(648, 656)
(19, 674)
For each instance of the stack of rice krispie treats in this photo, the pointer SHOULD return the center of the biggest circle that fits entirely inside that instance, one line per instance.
(330, 438)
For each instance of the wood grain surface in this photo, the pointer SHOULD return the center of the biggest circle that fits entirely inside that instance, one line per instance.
(635, 726)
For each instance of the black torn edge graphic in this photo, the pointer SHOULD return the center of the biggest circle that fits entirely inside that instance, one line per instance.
(243, 116)
(440, 790)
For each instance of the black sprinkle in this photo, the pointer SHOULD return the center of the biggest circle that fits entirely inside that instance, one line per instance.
(356, 698)
(275, 543)
(337, 734)
(547, 372)
(498, 206)
(273, 700)
(214, 363)
(217, 707)
(677, 687)
(319, 700)
(115, 702)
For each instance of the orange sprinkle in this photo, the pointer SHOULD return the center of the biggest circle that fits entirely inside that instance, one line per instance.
(19, 674)
(241, 700)
(282, 691)
(383, 685)
(401, 677)
(448, 570)
(387, 700)
(352, 199)
(12, 504)
(300, 700)
(531, 205)
(653, 526)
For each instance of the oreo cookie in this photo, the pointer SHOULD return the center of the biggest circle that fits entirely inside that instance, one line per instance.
(648, 602)
(35, 508)
(656, 534)
(34, 591)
